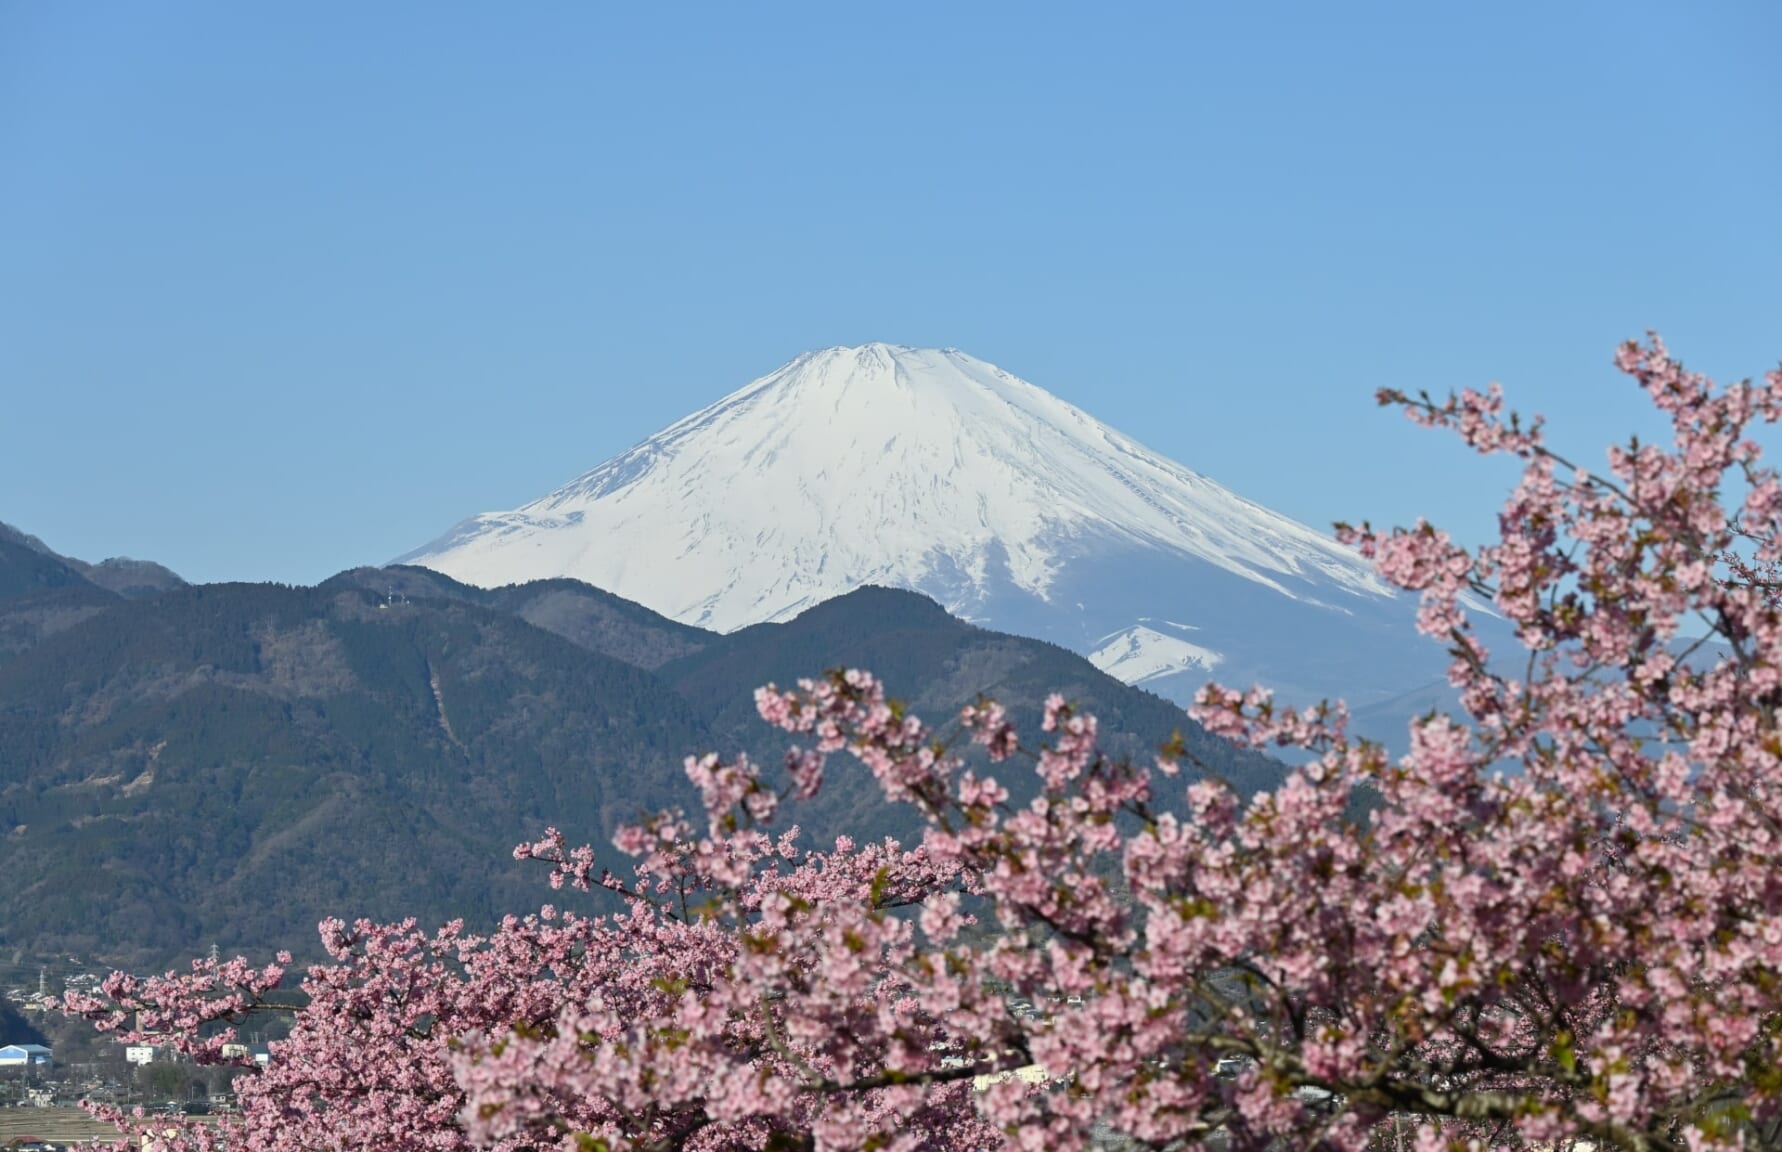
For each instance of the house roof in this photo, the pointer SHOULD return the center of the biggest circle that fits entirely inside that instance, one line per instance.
(26, 1049)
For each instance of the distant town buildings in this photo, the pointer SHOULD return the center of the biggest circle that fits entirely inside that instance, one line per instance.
(38, 997)
(259, 1054)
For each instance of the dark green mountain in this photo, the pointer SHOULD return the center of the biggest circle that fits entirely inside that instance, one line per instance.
(15, 1029)
(40, 593)
(26, 620)
(120, 574)
(580, 613)
(231, 763)
(935, 664)
(132, 579)
(24, 571)
(234, 762)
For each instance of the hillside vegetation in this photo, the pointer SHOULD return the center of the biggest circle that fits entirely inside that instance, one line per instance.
(232, 763)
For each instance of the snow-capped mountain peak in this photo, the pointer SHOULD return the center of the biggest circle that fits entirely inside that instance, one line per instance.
(932, 470)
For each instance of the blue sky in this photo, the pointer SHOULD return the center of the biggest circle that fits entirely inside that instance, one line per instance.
(284, 290)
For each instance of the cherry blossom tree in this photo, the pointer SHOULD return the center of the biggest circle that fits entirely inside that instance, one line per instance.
(369, 1062)
(1557, 918)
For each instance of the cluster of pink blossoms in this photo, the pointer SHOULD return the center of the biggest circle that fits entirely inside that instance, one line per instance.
(1557, 918)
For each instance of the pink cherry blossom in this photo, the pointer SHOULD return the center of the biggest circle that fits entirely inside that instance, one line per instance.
(1556, 920)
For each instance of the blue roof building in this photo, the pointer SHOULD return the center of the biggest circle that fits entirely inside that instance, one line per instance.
(24, 1055)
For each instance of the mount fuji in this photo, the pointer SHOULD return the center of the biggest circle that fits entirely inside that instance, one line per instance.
(935, 471)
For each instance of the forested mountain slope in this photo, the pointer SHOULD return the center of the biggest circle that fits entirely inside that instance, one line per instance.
(232, 763)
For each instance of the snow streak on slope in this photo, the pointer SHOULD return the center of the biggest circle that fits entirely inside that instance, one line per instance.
(908, 467)
(1140, 654)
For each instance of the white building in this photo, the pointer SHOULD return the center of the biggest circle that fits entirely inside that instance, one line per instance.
(142, 1053)
(25, 1056)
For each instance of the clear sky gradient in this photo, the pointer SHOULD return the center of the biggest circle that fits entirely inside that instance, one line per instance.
(285, 289)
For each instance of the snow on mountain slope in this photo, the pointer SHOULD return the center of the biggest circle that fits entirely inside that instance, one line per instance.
(1141, 653)
(933, 470)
